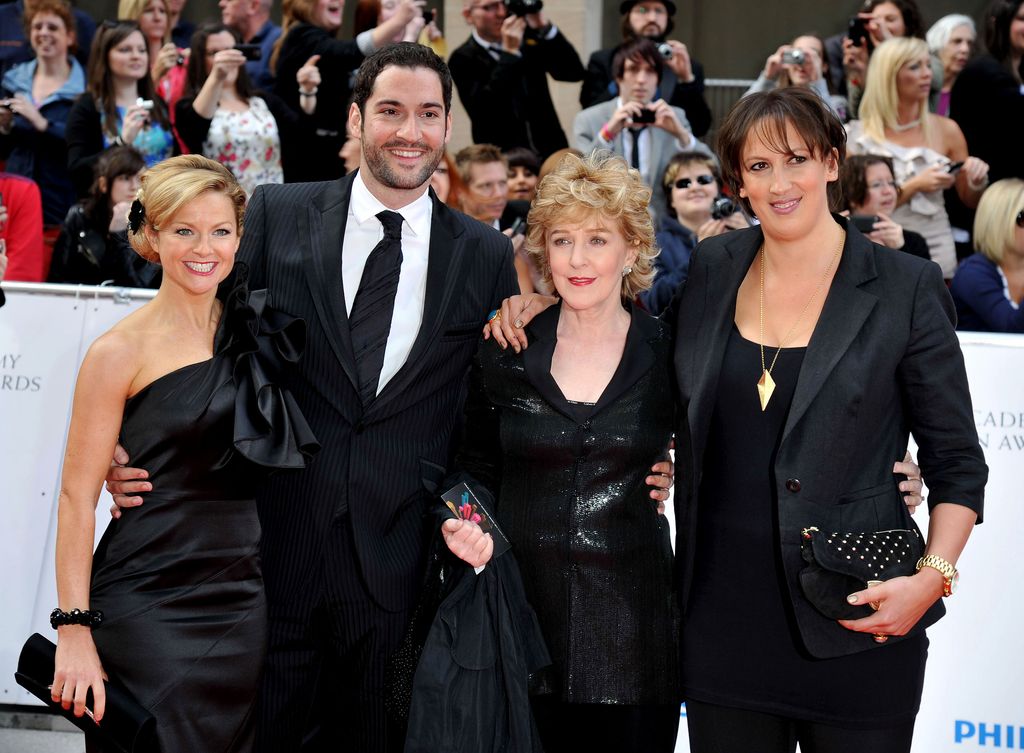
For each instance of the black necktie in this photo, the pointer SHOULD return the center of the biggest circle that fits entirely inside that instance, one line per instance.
(634, 159)
(370, 320)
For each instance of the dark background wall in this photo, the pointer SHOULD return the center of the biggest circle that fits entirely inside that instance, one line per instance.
(732, 39)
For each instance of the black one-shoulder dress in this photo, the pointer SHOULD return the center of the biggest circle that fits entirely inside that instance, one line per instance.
(178, 579)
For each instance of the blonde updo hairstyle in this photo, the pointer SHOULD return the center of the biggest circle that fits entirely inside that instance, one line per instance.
(173, 183)
(598, 185)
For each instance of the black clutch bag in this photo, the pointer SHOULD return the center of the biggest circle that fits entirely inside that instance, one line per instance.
(839, 564)
(126, 726)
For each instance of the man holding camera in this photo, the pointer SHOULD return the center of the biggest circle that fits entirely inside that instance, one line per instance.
(501, 74)
(682, 81)
(646, 132)
(251, 19)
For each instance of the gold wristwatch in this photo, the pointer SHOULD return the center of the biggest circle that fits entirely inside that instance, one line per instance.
(950, 575)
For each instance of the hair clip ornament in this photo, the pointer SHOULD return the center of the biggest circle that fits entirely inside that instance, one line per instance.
(136, 216)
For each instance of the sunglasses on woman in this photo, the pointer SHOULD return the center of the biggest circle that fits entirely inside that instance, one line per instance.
(704, 180)
(1020, 218)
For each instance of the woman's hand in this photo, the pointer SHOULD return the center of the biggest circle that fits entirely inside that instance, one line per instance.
(413, 28)
(166, 59)
(226, 61)
(855, 61)
(119, 219)
(773, 65)
(468, 542)
(20, 105)
(934, 178)
(515, 313)
(77, 669)
(912, 485)
(887, 233)
(976, 173)
(901, 602)
(136, 118)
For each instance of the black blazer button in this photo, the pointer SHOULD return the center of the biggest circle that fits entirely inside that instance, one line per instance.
(793, 484)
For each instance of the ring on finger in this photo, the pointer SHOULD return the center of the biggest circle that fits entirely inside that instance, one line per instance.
(881, 637)
(494, 315)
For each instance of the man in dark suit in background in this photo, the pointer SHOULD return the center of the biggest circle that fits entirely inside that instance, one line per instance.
(501, 74)
(682, 83)
(344, 541)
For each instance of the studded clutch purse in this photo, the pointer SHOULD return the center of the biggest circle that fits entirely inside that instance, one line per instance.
(839, 564)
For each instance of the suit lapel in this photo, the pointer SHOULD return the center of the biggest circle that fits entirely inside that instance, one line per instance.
(445, 267)
(637, 359)
(846, 309)
(323, 226)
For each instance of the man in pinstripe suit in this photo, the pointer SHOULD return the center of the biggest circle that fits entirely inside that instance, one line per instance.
(344, 541)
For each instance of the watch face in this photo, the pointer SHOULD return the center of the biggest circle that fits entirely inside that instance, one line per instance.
(954, 582)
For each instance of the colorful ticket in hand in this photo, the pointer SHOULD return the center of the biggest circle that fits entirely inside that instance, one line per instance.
(463, 504)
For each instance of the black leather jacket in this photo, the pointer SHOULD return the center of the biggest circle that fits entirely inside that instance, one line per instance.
(570, 487)
(85, 255)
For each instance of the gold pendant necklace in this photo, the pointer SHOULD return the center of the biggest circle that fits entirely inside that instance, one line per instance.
(766, 385)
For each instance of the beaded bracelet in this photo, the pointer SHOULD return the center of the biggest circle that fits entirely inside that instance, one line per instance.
(88, 617)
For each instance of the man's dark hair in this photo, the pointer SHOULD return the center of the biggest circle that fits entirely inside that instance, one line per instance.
(402, 55)
(766, 114)
(997, 30)
(521, 156)
(641, 50)
(908, 9)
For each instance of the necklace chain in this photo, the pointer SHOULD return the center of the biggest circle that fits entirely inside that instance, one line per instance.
(766, 386)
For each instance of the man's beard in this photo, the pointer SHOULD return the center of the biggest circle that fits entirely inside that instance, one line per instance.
(377, 163)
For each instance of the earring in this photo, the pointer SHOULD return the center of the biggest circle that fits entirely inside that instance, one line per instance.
(626, 271)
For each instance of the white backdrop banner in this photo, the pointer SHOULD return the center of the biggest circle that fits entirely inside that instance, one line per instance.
(43, 338)
(975, 677)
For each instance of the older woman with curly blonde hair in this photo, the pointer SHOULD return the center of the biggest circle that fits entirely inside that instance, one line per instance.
(563, 435)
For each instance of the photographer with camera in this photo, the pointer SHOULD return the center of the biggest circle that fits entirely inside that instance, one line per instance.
(801, 63)
(645, 131)
(682, 80)
(501, 74)
(251, 19)
(696, 210)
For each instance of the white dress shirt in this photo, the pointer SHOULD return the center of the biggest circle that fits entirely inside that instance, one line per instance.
(363, 231)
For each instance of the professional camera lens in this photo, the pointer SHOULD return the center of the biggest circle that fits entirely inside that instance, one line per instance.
(665, 50)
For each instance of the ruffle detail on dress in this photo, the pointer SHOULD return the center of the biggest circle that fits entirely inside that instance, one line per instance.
(269, 430)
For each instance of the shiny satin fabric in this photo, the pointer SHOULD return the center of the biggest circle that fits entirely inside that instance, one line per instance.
(178, 579)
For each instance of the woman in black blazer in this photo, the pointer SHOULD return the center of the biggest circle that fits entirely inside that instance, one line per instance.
(805, 355)
(858, 351)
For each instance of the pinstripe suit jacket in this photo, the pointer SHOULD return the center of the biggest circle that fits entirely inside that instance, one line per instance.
(374, 458)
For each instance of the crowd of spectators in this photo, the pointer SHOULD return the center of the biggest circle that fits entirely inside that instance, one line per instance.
(933, 113)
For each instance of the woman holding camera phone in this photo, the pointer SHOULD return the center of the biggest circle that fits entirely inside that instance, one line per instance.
(870, 193)
(223, 118)
(929, 152)
(120, 106)
(801, 63)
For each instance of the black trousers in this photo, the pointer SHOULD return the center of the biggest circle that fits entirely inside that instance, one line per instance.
(720, 729)
(605, 727)
(323, 684)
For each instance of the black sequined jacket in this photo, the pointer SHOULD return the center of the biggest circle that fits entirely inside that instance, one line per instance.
(570, 487)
